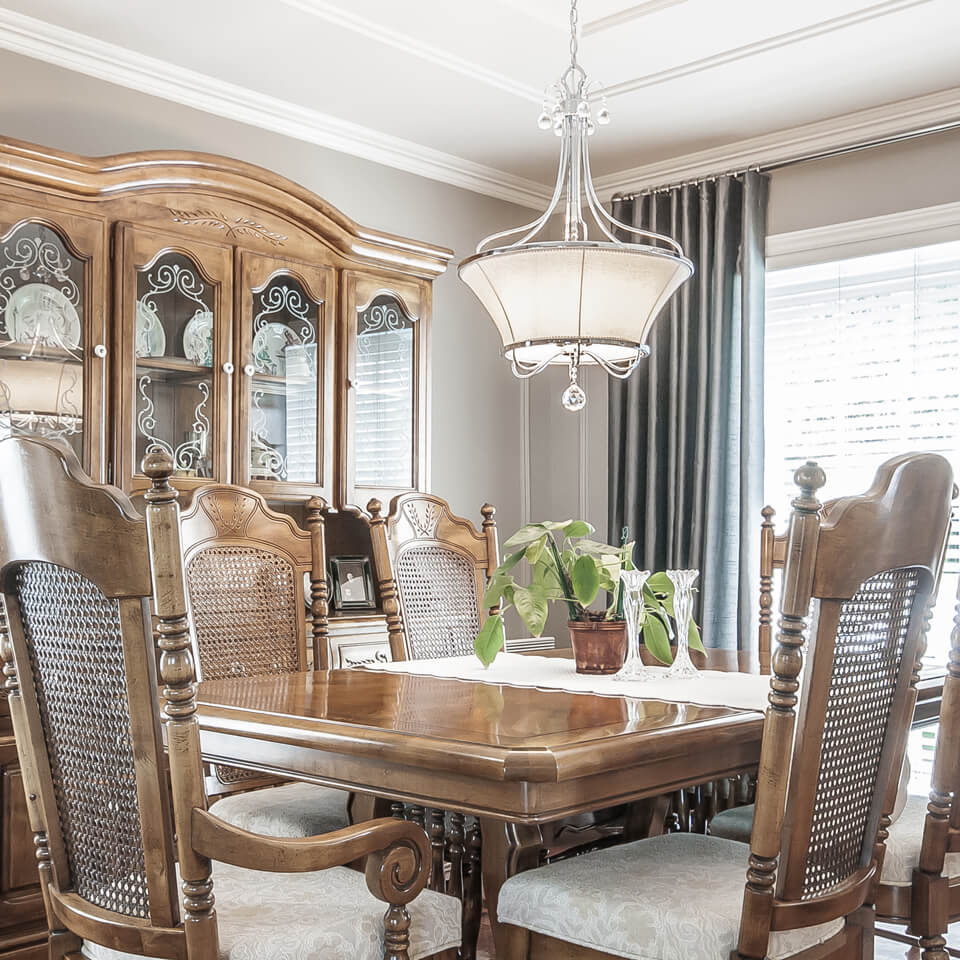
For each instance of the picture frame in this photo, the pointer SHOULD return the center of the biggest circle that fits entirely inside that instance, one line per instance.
(352, 581)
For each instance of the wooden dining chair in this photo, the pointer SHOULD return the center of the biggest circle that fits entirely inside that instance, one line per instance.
(827, 771)
(245, 566)
(920, 881)
(116, 835)
(432, 568)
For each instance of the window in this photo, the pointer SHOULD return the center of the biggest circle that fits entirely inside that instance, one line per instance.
(862, 363)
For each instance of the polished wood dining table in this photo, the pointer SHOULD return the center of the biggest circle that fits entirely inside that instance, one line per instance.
(514, 757)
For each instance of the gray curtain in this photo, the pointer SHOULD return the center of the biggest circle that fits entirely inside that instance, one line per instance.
(686, 429)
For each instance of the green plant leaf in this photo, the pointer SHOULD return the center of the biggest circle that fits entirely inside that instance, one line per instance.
(585, 578)
(535, 549)
(531, 604)
(489, 640)
(656, 639)
(525, 535)
(693, 638)
(660, 583)
(596, 547)
(511, 560)
(577, 528)
(556, 524)
(497, 586)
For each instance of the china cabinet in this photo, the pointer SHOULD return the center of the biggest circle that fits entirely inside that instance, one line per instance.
(220, 312)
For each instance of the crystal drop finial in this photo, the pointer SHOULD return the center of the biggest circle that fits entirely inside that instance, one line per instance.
(603, 115)
(574, 398)
(544, 121)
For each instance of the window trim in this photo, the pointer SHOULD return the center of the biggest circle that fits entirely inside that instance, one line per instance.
(858, 238)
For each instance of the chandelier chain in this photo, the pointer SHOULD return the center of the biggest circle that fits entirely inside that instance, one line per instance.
(573, 35)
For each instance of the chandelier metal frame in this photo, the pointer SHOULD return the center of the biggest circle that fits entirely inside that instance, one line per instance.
(568, 111)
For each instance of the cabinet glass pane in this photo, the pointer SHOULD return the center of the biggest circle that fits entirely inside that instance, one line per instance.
(174, 363)
(283, 387)
(41, 336)
(384, 388)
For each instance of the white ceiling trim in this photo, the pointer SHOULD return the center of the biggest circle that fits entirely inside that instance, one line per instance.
(40, 40)
(864, 126)
(882, 9)
(854, 238)
(626, 16)
(412, 46)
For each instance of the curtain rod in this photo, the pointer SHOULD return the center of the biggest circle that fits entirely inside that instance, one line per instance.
(805, 158)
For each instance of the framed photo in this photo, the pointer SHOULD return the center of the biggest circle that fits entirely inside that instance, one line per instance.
(352, 583)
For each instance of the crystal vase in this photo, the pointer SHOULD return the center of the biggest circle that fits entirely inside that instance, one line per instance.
(633, 581)
(683, 581)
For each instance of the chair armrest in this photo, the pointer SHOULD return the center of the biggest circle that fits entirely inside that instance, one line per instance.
(397, 851)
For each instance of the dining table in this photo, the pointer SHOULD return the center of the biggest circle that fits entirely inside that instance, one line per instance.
(512, 746)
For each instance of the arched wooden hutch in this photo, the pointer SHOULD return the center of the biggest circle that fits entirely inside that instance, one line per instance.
(218, 310)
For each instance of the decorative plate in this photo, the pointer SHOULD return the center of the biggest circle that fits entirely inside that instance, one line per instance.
(269, 346)
(149, 339)
(39, 313)
(198, 339)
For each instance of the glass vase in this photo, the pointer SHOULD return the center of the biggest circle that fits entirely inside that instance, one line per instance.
(633, 581)
(682, 667)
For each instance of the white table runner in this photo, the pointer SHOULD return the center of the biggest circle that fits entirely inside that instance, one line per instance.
(710, 688)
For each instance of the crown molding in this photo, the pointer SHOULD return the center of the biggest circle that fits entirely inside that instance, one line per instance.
(84, 54)
(411, 46)
(854, 238)
(883, 9)
(862, 127)
(643, 9)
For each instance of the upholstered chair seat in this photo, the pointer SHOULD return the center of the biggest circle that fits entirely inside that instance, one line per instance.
(903, 846)
(288, 810)
(307, 916)
(674, 897)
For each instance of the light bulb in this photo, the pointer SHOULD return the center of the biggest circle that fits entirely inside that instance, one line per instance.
(603, 115)
(591, 128)
(583, 109)
(544, 121)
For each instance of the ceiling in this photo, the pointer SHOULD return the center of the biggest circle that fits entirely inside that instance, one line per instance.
(452, 89)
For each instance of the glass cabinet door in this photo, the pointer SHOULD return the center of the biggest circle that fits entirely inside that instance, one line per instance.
(284, 403)
(176, 309)
(52, 349)
(385, 434)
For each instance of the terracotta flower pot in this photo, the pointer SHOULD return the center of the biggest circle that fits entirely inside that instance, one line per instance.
(599, 646)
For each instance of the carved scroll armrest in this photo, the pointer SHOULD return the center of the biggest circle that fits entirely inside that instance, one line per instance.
(397, 852)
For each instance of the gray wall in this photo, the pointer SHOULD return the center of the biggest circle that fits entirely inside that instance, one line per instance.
(476, 400)
(869, 183)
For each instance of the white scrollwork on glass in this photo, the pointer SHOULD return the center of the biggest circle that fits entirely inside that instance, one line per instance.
(66, 422)
(34, 259)
(173, 277)
(193, 452)
(263, 456)
(288, 299)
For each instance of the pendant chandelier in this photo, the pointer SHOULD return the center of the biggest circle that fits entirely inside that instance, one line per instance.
(583, 299)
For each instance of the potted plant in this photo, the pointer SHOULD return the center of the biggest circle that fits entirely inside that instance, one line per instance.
(570, 567)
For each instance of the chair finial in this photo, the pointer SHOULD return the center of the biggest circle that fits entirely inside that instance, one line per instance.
(809, 478)
(374, 508)
(158, 466)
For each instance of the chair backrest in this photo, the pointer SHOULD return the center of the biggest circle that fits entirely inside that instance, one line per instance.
(432, 568)
(941, 829)
(81, 679)
(245, 567)
(824, 796)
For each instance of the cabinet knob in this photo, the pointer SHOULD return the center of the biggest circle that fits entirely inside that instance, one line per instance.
(100, 351)
(249, 369)
(228, 368)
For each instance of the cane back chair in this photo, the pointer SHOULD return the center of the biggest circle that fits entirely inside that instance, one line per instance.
(117, 829)
(432, 569)
(245, 567)
(823, 796)
(920, 882)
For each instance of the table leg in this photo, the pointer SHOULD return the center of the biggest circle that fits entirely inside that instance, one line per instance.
(508, 849)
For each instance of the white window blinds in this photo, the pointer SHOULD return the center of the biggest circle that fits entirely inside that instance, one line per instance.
(863, 363)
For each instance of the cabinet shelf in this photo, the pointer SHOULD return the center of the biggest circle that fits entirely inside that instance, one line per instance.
(14, 350)
(174, 368)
